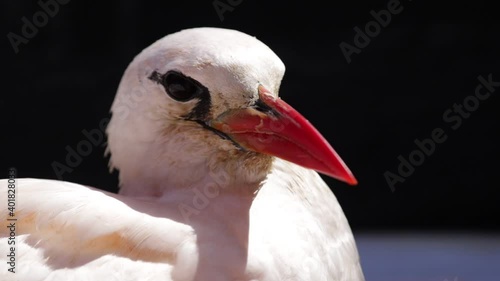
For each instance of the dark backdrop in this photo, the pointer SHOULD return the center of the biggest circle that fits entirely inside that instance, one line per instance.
(395, 90)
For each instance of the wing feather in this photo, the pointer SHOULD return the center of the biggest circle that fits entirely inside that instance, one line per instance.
(64, 228)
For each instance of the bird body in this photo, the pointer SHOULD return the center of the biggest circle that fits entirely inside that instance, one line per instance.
(203, 195)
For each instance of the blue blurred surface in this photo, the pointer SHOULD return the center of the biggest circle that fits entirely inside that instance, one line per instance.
(430, 257)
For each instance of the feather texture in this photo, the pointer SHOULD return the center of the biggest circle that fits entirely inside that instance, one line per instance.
(293, 229)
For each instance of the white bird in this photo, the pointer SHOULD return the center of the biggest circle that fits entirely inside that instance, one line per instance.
(217, 180)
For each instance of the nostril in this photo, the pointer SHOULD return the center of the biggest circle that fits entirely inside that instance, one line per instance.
(259, 105)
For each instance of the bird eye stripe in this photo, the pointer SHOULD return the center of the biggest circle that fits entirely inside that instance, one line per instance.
(156, 77)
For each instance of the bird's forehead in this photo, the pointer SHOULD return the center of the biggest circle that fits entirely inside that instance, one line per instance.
(229, 63)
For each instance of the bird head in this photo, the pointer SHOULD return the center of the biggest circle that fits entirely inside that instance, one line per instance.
(206, 99)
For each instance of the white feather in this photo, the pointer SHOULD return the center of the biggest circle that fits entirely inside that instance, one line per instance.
(293, 230)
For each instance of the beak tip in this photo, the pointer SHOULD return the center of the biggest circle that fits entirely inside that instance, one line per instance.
(346, 176)
(352, 181)
(343, 174)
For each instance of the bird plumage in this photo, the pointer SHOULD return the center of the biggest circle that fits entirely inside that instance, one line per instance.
(293, 229)
(192, 205)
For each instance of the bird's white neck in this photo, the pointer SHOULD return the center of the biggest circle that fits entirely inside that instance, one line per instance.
(157, 171)
(209, 195)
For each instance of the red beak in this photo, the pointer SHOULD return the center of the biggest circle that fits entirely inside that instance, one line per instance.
(279, 130)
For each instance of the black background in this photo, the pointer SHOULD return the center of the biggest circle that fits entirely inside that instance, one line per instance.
(393, 92)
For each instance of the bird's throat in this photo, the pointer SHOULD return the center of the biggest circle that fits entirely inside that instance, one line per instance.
(221, 172)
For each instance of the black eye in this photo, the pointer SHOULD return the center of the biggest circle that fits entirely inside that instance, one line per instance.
(183, 88)
(180, 87)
